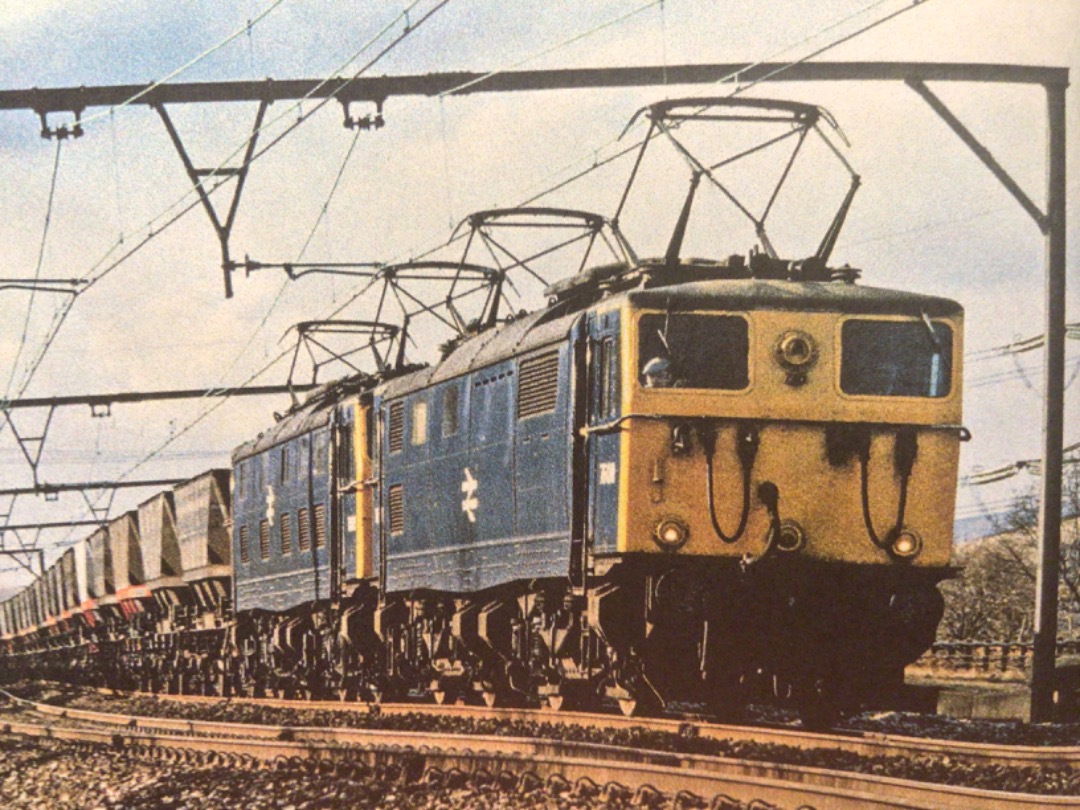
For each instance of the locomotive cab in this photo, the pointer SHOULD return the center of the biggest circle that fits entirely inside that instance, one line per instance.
(773, 478)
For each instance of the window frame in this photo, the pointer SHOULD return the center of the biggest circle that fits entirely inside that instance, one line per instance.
(640, 314)
(950, 377)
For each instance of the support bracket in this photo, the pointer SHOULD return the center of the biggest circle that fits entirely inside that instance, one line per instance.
(31, 446)
(198, 177)
(981, 152)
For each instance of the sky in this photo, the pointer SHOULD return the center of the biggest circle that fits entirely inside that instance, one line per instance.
(928, 216)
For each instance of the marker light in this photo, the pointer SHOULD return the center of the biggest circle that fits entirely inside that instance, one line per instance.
(671, 533)
(906, 545)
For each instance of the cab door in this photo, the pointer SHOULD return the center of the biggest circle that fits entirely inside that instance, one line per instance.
(363, 501)
(602, 431)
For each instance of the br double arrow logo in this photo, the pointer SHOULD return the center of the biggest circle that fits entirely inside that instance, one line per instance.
(470, 503)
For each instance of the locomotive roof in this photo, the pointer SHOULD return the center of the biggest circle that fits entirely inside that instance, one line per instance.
(813, 296)
(313, 414)
(756, 294)
(531, 331)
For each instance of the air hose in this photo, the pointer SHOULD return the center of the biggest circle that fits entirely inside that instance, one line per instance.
(746, 447)
(904, 453)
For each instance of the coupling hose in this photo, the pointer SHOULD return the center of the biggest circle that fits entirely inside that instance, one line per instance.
(746, 446)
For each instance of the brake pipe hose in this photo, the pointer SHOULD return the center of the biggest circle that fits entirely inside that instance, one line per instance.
(746, 446)
(904, 454)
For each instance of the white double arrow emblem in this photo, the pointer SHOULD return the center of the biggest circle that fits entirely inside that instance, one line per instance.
(470, 503)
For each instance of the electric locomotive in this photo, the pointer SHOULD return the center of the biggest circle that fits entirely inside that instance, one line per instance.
(691, 481)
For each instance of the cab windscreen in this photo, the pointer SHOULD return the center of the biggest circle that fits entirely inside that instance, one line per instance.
(895, 358)
(693, 351)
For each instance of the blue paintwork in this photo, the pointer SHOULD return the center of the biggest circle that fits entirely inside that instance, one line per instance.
(282, 581)
(521, 469)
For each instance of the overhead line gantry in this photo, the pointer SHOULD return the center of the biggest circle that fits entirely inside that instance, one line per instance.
(32, 447)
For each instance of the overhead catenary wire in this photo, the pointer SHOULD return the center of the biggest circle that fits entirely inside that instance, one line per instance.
(1020, 372)
(576, 38)
(166, 219)
(1031, 465)
(341, 170)
(412, 26)
(442, 96)
(303, 250)
(150, 88)
(592, 161)
(37, 273)
(65, 307)
(551, 49)
(156, 226)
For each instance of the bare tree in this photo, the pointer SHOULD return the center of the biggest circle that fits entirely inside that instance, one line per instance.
(994, 598)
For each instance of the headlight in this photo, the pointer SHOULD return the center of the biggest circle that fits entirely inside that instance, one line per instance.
(906, 545)
(671, 533)
(796, 351)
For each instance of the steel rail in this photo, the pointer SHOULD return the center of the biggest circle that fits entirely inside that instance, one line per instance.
(868, 744)
(572, 761)
(862, 742)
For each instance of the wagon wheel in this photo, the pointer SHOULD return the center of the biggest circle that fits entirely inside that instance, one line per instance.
(556, 702)
(445, 696)
(818, 706)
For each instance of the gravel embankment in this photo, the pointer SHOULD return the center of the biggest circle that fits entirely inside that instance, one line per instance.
(49, 774)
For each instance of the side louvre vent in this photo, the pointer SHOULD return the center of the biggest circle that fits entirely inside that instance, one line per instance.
(245, 550)
(538, 385)
(264, 539)
(304, 529)
(320, 525)
(397, 509)
(286, 533)
(396, 429)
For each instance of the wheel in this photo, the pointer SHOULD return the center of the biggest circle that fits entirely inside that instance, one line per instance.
(818, 708)
(726, 699)
(555, 702)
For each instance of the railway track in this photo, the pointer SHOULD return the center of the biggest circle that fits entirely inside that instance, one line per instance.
(700, 780)
(860, 743)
